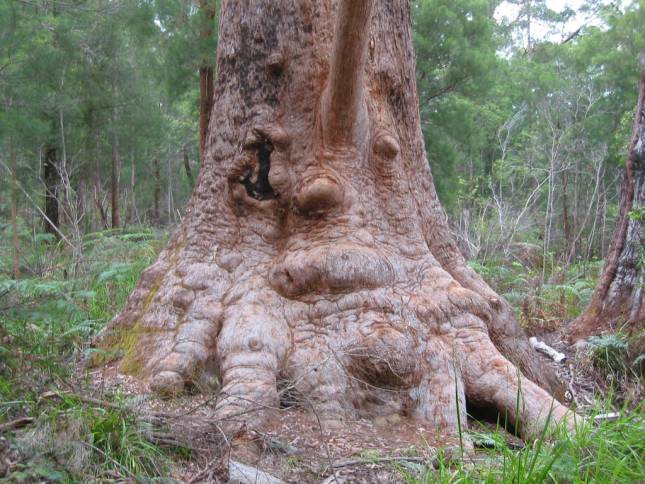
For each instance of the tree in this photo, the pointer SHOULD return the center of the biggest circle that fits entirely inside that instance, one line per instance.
(314, 249)
(618, 296)
(206, 75)
(455, 49)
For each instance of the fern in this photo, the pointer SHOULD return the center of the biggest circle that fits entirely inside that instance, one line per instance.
(609, 351)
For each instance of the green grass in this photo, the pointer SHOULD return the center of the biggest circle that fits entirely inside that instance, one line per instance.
(602, 453)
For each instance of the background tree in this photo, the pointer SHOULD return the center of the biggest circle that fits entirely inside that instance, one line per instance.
(619, 293)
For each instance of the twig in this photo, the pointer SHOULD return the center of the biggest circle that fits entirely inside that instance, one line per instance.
(381, 460)
(542, 347)
(37, 207)
(16, 424)
(285, 448)
(82, 398)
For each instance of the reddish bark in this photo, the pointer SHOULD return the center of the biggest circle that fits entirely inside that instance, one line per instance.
(314, 252)
(206, 79)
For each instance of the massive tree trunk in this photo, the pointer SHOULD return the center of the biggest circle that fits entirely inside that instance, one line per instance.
(314, 251)
(617, 299)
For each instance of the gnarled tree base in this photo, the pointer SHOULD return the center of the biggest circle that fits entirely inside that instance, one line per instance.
(314, 255)
(413, 340)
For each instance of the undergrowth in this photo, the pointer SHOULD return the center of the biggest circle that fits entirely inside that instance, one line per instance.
(542, 306)
(49, 314)
(603, 451)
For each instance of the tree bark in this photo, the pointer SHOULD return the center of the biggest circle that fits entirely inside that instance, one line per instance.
(314, 252)
(617, 299)
(189, 172)
(566, 227)
(52, 179)
(130, 218)
(206, 79)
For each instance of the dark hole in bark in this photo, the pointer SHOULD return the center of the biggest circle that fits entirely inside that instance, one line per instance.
(289, 396)
(376, 372)
(261, 189)
(490, 415)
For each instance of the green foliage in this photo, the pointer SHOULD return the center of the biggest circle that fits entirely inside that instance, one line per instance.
(609, 351)
(455, 47)
(46, 324)
(542, 306)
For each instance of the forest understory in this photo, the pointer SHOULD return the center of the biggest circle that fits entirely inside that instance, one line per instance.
(64, 420)
(308, 178)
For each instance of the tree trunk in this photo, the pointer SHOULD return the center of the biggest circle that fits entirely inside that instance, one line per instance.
(156, 215)
(131, 209)
(189, 172)
(206, 79)
(116, 175)
(566, 227)
(617, 299)
(314, 252)
(52, 178)
(14, 211)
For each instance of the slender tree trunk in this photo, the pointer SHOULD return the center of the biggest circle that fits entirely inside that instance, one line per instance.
(566, 227)
(114, 186)
(132, 207)
(205, 105)
(169, 197)
(14, 211)
(314, 253)
(52, 182)
(617, 297)
(189, 172)
(156, 215)
(603, 230)
(98, 201)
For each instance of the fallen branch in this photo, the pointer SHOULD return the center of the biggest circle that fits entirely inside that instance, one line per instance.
(16, 424)
(542, 347)
(608, 417)
(82, 398)
(270, 442)
(238, 472)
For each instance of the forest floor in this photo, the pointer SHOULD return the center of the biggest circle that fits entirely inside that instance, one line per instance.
(62, 421)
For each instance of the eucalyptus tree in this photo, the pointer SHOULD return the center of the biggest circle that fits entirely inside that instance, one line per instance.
(314, 250)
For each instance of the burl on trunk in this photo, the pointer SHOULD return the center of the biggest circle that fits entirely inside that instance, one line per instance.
(314, 249)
